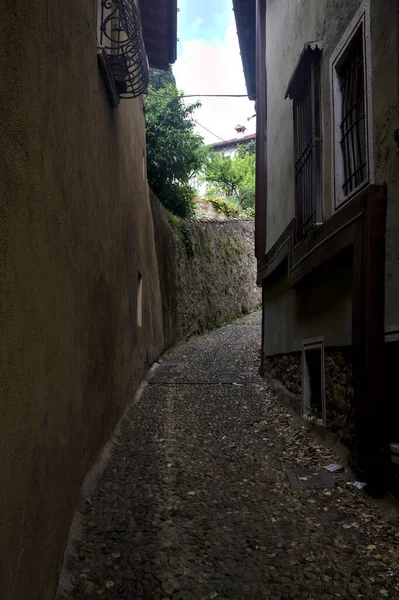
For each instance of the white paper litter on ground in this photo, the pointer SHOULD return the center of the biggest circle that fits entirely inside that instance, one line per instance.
(357, 484)
(333, 467)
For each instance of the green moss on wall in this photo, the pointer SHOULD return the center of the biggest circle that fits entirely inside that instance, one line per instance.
(183, 231)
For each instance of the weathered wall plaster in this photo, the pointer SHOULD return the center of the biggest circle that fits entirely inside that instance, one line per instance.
(288, 26)
(320, 306)
(76, 229)
(386, 119)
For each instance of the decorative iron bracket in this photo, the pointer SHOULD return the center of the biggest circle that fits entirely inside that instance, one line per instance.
(122, 39)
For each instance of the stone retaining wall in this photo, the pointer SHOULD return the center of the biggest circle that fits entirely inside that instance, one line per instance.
(207, 272)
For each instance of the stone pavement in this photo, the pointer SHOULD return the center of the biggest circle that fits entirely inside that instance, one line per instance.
(195, 502)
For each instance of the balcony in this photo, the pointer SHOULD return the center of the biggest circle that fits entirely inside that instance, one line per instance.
(122, 52)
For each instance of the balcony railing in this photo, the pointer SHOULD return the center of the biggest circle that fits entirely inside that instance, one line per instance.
(121, 37)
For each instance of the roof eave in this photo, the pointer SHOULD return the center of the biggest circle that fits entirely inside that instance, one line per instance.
(231, 143)
(172, 31)
(247, 42)
(159, 21)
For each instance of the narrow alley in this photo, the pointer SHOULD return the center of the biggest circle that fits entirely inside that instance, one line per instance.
(195, 502)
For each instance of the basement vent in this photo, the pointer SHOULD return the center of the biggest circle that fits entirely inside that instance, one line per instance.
(313, 393)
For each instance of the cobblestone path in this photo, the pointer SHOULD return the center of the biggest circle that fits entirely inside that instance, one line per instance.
(195, 502)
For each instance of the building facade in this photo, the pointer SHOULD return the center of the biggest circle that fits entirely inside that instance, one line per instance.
(80, 305)
(226, 148)
(230, 147)
(325, 78)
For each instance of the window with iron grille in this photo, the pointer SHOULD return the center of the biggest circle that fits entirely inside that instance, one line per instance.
(304, 89)
(350, 71)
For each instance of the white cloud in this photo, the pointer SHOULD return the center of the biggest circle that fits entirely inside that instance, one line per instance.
(215, 67)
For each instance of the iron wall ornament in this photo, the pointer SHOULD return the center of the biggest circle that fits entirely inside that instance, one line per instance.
(122, 38)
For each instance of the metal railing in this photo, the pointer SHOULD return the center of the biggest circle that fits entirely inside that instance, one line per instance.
(121, 37)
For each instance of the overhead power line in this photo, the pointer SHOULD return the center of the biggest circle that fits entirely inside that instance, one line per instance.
(205, 95)
(211, 132)
(213, 96)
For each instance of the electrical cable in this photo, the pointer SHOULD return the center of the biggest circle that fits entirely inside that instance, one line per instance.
(213, 96)
(209, 96)
(205, 95)
(211, 132)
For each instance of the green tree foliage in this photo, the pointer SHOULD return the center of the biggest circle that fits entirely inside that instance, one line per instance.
(160, 79)
(174, 151)
(232, 178)
(250, 148)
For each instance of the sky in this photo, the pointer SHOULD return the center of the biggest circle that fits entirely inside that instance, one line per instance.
(209, 62)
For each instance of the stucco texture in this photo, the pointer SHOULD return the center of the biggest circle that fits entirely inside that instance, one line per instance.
(75, 229)
(385, 121)
(289, 25)
(320, 306)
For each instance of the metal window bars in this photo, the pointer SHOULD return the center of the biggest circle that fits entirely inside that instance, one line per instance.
(353, 123)
(307, 150)
(121, 37)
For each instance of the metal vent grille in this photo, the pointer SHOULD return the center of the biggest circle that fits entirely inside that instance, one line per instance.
(121, 37)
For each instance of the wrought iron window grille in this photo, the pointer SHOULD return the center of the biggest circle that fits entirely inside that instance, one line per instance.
(304, 89)
(122, 39)
(353, 121)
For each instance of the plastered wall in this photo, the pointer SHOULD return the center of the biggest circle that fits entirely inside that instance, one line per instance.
(75, 229)
(320, 306)
(384, 42)
(289, 26)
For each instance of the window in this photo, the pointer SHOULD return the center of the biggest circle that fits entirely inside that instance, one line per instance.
(304, 89)
(353, 123)
(139, 300)
(313, 396)
(350, 105)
